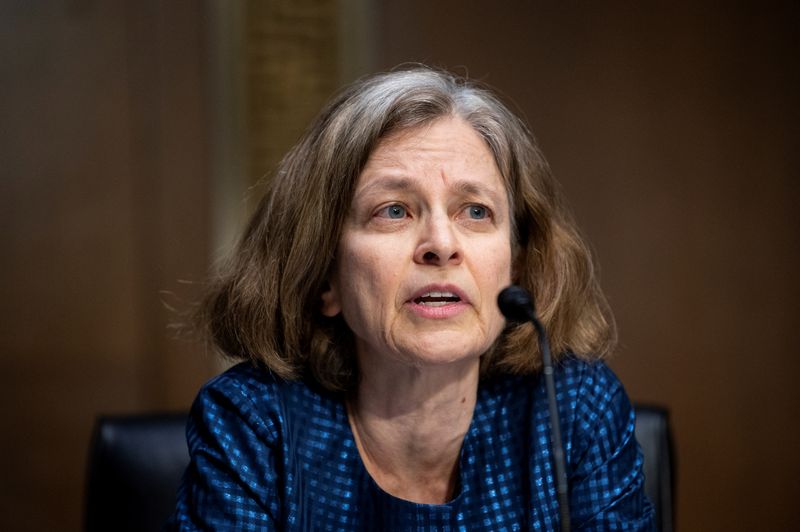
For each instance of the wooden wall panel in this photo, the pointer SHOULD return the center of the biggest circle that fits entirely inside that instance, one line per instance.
(103, 208)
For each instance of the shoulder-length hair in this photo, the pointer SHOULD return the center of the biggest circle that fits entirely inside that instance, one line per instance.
(266, 303)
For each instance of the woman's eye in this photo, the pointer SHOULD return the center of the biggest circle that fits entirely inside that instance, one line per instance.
(395, 212)
(477, 212)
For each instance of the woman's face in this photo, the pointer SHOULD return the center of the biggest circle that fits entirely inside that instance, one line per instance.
(425, 248)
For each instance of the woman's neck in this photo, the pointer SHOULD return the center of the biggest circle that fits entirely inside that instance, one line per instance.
(409, 424)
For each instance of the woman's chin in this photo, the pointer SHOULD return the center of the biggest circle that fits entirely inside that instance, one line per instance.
(444, 349)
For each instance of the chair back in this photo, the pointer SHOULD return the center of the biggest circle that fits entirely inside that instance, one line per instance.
(135, 466)
(655, 439)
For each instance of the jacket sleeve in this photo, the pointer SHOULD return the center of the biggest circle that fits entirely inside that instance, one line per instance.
(606, 477)
(231, 482)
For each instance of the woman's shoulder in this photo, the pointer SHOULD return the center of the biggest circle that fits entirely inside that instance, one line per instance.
(598, 429)
(591, 379)
(242, 396)
(244, 375)
(235, 439)
(250, 394)
(242, 386)
(573, 377)
(587, 392)
(593, 402)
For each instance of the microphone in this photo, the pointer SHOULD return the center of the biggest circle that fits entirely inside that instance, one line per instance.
(517, 306)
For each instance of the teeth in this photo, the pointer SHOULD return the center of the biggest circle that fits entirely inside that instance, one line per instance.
(439, 294)
(437, 299)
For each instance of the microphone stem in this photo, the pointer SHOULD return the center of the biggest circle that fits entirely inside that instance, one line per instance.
(555, 426)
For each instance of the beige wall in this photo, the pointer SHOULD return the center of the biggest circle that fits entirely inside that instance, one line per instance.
(674, 132)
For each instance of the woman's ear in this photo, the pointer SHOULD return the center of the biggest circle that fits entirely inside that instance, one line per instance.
(331, 306)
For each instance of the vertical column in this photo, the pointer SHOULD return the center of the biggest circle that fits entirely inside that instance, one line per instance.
(291, 71)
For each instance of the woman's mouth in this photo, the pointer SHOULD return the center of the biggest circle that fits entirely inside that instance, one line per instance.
(437, 299)
(439, 302)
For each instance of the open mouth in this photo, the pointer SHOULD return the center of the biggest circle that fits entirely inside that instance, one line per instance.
(437, 299)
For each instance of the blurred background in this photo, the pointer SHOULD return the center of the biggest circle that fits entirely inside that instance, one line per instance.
(133, 133)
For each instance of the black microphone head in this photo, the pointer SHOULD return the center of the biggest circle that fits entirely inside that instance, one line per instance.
(516, 304)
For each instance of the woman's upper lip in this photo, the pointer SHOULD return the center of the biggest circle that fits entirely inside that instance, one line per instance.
(439, 290)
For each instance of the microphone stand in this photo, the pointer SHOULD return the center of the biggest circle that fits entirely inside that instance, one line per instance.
(517, 305)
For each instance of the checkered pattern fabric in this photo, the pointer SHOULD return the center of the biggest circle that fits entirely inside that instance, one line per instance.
(267, 454)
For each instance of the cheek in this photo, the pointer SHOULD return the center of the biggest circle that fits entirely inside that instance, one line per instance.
(361, 267)
(366, 280)
(499, 264)
(500, 278)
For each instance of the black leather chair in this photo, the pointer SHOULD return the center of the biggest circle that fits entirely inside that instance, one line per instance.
(135, 466)
(136, 463)
(655, 438)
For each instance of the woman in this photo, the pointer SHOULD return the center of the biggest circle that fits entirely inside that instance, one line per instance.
(383, 388)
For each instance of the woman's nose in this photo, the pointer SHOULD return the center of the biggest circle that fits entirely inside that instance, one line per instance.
(438, 242)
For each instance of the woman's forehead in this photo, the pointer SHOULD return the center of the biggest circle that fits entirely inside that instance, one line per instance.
(448, 147)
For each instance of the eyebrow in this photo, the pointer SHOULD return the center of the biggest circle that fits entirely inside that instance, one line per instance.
(476, 189)
(389, 183)
(403, 183)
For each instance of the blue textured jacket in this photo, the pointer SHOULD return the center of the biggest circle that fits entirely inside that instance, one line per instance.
(268, 454)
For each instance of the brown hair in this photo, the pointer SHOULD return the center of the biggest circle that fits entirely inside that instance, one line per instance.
(265, 305)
